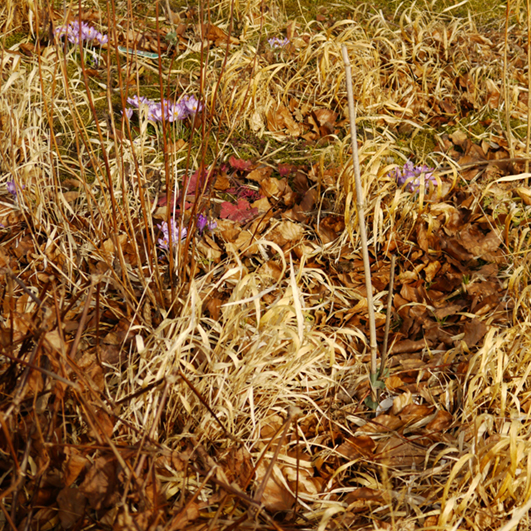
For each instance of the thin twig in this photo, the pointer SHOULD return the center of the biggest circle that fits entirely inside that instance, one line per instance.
(360, 203)
(388, 316)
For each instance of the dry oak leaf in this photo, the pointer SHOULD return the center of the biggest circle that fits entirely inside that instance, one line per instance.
(72, 505)
(99, 485)
(480, 245)
(260, 173)
(383, 424)
(229, 230)
(73, 465)
(286, 232)
(274, 188)
(216, 34)
(474, 331)
(280, 119)
(357, 447)
(184, 517)
(361, 499)
(416, 414)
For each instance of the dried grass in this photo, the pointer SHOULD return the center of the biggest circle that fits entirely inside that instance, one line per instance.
(141, 395)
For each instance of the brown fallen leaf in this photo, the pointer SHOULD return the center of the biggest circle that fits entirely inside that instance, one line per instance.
(357, 447)
(215, 34)
(417, 414)
(400, 453)
(73, 465)
(383, 424)
(184, 517)
(474, 331)
(276, 496)
(72, 505)
(442, 421)
(362, 498)
(99, 485)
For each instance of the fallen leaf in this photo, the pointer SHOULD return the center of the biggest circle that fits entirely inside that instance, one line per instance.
(99, 483)
(276, 495)
(240, 164)
(474, 331)
(241, 211)
(72, 505)
(401, 453)
(442, 421)
(357, 447)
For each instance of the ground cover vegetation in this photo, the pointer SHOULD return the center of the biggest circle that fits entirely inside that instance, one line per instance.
(184, 329)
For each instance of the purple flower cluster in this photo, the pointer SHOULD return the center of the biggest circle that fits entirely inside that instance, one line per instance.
(164, 242)
(187, 106)
(275, 42)
(75, 33)
(413, 176)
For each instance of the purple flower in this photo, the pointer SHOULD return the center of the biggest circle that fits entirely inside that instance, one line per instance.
(12, 188)
(275, 42)
(191, 104)
(128, 113)
(172, 112)
(203, 223)
(164, 242)
(76, 32)
(135, 101)
(176, 111)
(413, 176)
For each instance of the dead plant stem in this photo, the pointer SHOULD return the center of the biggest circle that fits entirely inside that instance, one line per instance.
(506, 82)
(388, 316)
(360, 203)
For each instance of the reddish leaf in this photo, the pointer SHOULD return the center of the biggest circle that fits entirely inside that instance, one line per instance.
(241, 211)
(240, 164)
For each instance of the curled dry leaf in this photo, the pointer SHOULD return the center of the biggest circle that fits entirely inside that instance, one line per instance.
(276, 496)
(442, 421)
(280, 119)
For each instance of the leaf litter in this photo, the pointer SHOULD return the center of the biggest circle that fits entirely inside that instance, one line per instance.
(135, 395)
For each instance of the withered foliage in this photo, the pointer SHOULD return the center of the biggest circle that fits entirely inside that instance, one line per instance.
(222, 383)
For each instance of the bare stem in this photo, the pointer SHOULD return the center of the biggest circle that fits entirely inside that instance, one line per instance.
(389, 312)
(360, 203)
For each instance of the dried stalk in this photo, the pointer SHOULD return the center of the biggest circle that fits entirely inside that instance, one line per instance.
(388, 317)
(360, 203)
(506, 82)
(528, 134)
